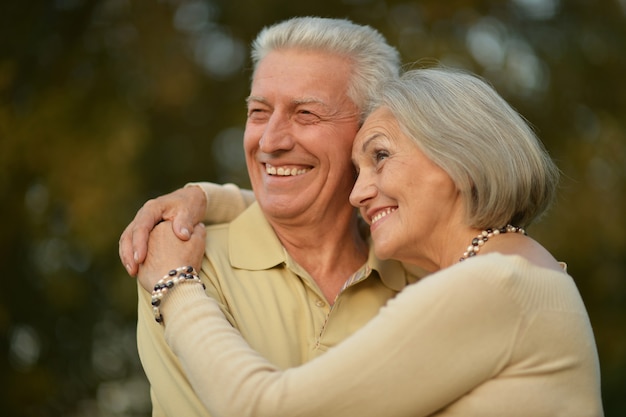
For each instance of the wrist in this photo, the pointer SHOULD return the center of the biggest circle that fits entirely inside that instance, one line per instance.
(200, 195)
(174, 278)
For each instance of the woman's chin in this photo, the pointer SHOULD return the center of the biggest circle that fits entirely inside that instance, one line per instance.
(383, 251)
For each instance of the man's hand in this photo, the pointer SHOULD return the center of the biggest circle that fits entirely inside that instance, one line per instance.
(166, 252)
(184, 207)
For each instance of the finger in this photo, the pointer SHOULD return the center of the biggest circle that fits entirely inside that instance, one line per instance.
(126, 252)
(199, 232)
(129, 240)
(140, 244)
(198, 241)
(143, 223)
(183, 225)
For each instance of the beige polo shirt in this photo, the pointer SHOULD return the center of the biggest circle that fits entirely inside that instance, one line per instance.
(271, 300)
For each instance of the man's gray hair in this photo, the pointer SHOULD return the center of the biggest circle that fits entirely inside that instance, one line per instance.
(373, 59)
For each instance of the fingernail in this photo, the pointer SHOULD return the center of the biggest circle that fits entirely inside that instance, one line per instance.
(135, 256)
(185, 232)
(128, 268)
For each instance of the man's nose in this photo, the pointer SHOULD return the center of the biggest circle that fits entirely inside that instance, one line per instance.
(277, 135)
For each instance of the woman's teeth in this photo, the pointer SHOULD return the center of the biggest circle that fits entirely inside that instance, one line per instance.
(382, 214)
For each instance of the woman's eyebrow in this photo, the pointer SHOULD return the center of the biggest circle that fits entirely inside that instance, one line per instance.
(369, 140)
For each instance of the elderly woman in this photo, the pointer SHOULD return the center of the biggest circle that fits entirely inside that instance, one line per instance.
(448, 176)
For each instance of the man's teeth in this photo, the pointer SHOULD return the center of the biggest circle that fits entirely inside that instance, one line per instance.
(382, 214)
(284, 171)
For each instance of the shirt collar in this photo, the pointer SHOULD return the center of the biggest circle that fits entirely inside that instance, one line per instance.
(393, 274)
(253, 245)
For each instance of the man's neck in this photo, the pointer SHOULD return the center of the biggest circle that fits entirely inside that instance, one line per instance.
(329, 253)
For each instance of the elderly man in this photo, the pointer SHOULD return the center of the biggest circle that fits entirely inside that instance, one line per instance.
(292, 272)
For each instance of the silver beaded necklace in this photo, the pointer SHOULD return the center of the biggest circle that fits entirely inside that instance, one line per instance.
(485, 235)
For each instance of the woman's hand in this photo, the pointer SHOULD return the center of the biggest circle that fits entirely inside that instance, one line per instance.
(184, 207)
(166, 252)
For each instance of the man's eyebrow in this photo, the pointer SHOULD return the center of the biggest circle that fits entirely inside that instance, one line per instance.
(296, 101)
(309, 100)
(256, 98)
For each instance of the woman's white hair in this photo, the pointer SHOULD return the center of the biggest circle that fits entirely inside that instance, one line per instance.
(373, 59)
(463, 125)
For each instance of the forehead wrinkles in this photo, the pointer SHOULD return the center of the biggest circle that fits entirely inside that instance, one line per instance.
(293, 101)
(303, 77)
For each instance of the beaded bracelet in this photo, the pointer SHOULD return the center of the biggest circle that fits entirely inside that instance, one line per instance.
(175, 276)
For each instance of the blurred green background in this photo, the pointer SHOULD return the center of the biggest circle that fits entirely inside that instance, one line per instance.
(106, 103)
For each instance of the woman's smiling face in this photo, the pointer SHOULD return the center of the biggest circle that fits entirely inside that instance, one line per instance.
(406, 198)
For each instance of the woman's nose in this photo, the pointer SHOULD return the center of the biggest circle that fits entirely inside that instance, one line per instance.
(363, 190)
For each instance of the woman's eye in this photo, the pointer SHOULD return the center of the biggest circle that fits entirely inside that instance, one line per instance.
(381, 155)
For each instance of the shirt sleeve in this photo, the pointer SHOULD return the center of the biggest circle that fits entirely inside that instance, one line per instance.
(430, 345)
(224, 202)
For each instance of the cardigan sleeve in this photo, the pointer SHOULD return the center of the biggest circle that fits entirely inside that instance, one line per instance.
(224, 202)
(434, 342)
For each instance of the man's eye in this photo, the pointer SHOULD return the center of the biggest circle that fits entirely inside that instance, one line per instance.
(307, 116)
(256, 113)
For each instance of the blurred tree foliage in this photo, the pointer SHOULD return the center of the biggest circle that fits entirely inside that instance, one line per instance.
(106, 103)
